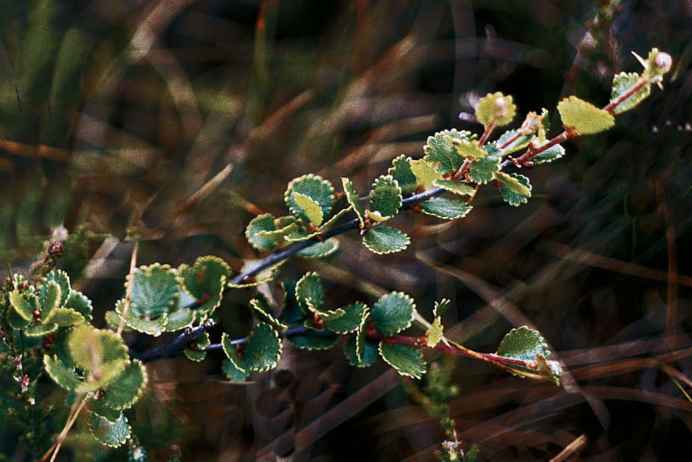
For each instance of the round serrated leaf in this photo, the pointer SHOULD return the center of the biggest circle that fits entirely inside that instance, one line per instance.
(49, 297)
(93, 349)
(308, 207)
(264, 222)
(549, 155)
(622, 82)
(24, 304)
(393, 312)
(61, 374)
(233, 372)
(407, 361)
(384, 239)
(316, 188)
(108, 433)
(584, 117)
(153, 327)
(179, 319)
(263, 349)
(126, 388)
(402, 173)
(446, 208)
(456, 187)
(514, 188)
(309, 287)
(385, 196)
(205, 281)
(523, 343)
(153, 289)
(321, 249)
(483, 171)
(79, 302)
(441, 151)
(40, 330)
(495, 108)
(425, 173)
(63, 280)
(260, 306)
(349, 321)
(64, 317)
(314, 340)
(195, 355)
(368, 354)
(353, 200)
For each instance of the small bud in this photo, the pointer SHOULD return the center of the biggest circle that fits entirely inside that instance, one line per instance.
(56, 249)
(663, 62)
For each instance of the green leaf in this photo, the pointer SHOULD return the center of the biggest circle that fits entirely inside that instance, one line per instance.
(205, 281)
(153, 327)
(64, 317)
(435, 333)
(393, 313)
(455, 187)
(406, 360)
(63, 280)
(40, 330)
(425, 173)
(23, 304)
(622, 82)
(179, 319)
(260, 305)
(154, 290)
(79, 302)
(495, 108)
(402, 173)
(446, 208)
(514, 141)
(384, 239)
(549, 155)
(126, 389)
(64, 376)
(514, 188)
(469, 149)
(111, 434)
(233, 366)
(353, 200)
(316, 188)
(523, 343)
(584, 117)
(441, 150)
(309, 288)
(314, 340)
(197, 351)
(263, 349)
(49, 298)
(349, 321)
(385, 197)
(321, 249)
(483, 171)
(368, 355)
(254, 229)
(309, 208)
(98, 351)
(233, 372)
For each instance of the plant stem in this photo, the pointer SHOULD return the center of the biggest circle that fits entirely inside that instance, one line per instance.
(178, 343)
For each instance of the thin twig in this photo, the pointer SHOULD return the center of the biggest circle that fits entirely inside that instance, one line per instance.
(128, 294)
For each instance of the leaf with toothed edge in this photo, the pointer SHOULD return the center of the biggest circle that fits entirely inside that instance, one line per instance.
(441, 307)
(205, 281)
(385, 239)
(435, 333)
(515, 189)
(153, 289)
(321, 249)
(369, 352)
(402, 173)
(64, 317)
(308, 207)
(309, 287)
(63, 280)
(263, 349)
(518, 141)
(260, 305)
(233, 365)
(263, 243)
(153, 327)
(425, 173)
(111, 434)
(126, 389)
(526, 344)
(49, 297)
(64, 376)
(455, 187)
(316, 188)
(393, 312)
(406, 360)
(446, 208)
(353, 200)
(79, 302)
(622, 82)
(469, 149)
(197, 350)
(584, 117)
(495, 108)
(40, 330)
(549, 155)
(314, 341)
(23, 304)
(385, 197)
(349, 321)
(483, 171)
(441, 150)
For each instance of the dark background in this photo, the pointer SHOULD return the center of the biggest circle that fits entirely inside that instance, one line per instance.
(113, 113)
